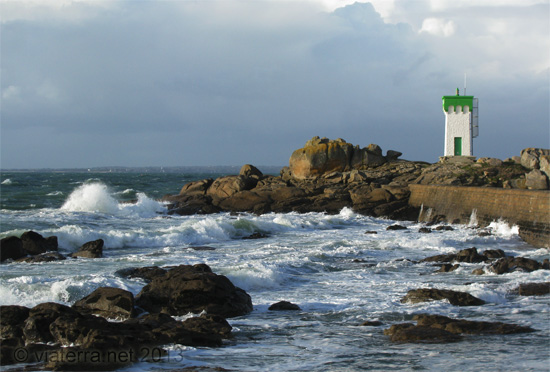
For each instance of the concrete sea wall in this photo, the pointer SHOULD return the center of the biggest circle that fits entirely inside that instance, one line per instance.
(529, 209)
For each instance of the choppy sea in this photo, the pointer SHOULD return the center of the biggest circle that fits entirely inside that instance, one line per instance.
(326, 264)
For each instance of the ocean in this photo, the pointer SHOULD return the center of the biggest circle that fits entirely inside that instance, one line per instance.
(338, 275)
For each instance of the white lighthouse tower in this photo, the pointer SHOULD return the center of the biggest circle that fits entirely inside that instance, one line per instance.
(461, 124)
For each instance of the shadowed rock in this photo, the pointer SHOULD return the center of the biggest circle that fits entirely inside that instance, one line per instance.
(432, 294)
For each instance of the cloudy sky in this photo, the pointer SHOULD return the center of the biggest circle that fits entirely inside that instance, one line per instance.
(170, 83)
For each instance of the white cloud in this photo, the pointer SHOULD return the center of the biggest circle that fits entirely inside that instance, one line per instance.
(438, 27)
(11, 92)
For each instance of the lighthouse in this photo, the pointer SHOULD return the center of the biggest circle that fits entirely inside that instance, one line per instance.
(461, 124)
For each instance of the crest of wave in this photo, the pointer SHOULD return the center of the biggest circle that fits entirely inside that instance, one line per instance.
(96, 197)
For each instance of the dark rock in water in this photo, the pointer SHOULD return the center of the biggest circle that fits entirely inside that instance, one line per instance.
(43, 257)
(396, 227)
(12, 321)
(371, 323)
(469, 255)
(462, 326)
(209, 324)
(444, 228)
(425, 230)
(256, 235)
(371, 232)
(438, 328)
(37, 325)
(410, 333)
(432, 294)
(34, 243)
(478, 271)
(146, 273)
(284, 305)
(11, 248)
(195, 288)
(202, 248)
(93, 249)
(447, 268)
(533, 289)
(510, 264)
(108, 302)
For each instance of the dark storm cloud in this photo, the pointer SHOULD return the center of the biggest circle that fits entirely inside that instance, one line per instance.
(199, 83)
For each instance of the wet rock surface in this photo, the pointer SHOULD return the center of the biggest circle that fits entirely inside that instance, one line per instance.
(432, 294)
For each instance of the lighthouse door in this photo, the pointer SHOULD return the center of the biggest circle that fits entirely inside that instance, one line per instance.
(458, 146)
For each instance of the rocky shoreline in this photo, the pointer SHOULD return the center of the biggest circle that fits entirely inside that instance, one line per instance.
(328, 175)
(111, 328)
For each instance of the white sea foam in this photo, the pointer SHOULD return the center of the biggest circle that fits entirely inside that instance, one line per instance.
(97, 198)
(7, 181)
(503, 229)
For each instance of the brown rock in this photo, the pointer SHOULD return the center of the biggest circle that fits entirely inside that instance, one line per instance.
(533, 289)
(186, 288)
(34, 243)
(432, 294)
(320, 156)
(11, 247)
(108, 302)
(93, 249)
(510, 264)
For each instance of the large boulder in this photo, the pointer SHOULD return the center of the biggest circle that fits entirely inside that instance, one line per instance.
(93, 249)
(196, 288)
(34, 243)
(319, 156)
(536, 180)
(511, 264)
(108, 302)
(368, 157)
(531, 157)
(11, 247)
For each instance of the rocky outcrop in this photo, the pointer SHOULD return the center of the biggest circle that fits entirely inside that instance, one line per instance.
(328, 175)
(321, 156)
(194, 289)
(533, 289)
(81, 338)
(438, 328)
(284, 305)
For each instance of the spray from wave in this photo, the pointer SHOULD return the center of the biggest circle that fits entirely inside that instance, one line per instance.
(97, 198)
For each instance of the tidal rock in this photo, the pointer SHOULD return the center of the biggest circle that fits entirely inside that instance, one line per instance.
(533, 289)
(93, 249)
(408, 332)
(510, 264)
(438, 328)
(146, 273)
(12, 321)
(43, 257)
(425, 230)
(186, 288)
(108, 302)
(396, 227)
(284, 305)
(447, 268)
(468, 255)
(462, 326)
(432, 294)
(34, 243)
(249, 170)
(371, 323)
(11, 247)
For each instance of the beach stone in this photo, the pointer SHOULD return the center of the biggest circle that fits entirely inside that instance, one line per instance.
(34, 243)
(108, 302)
(11, 247)
(93, 249)
(533, 289)
(196, 288)
(432, 294)
(284, 305)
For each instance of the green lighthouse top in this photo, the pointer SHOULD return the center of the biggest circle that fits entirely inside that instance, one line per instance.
(457, 100)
